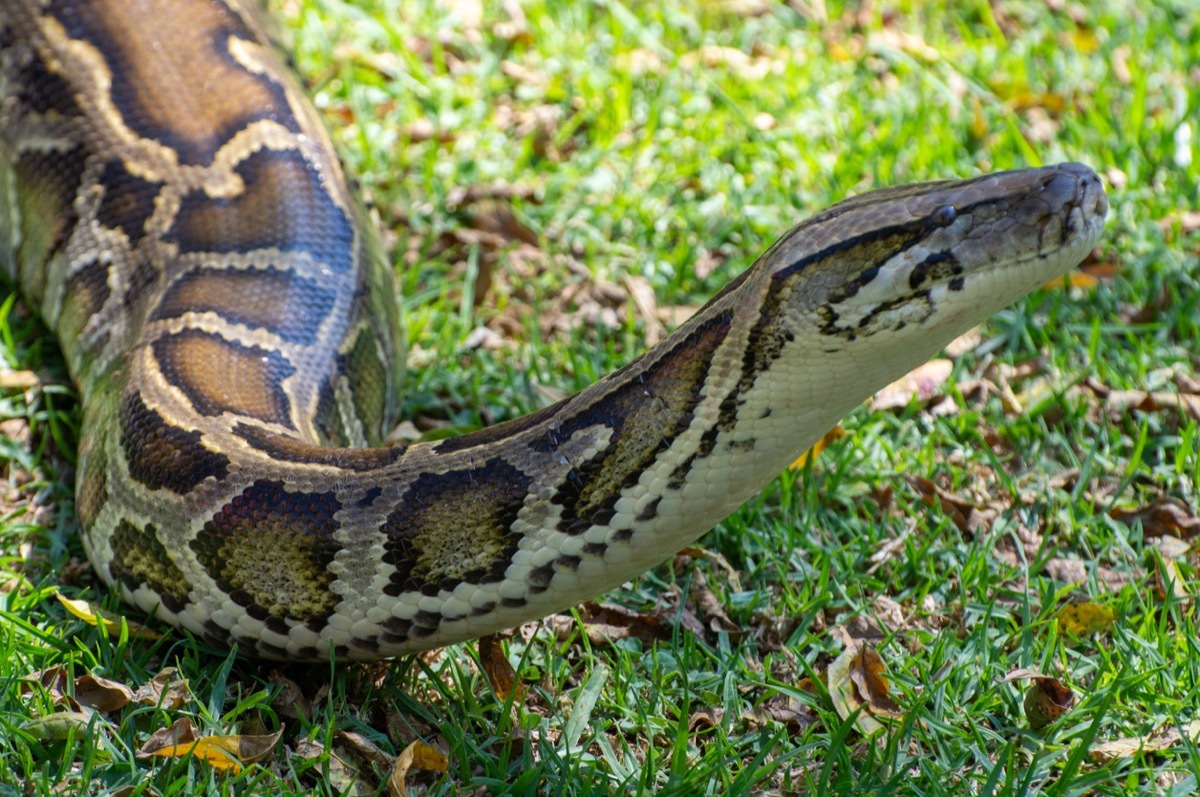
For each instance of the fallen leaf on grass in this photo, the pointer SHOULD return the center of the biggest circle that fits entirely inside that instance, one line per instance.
(1085, 619)
(101, 694)
(920, 384)
(166, 689)
(732, 576)
(836, 433)
(605, 624)
(231, 752)
(58, 726)
(710, 607)
(365, 749)
(342, 777)
(1046, 699)
(965, 514)
(856, 683)
(87, 692)
(866, 672)
(1159, 739)
(1168, 581)
(500, 672)
(784, 709)
(1166, 515)
(92, 614)
(419, 756)
(18, 380)
(1188, 221)
(289, 701)
(1120, 402)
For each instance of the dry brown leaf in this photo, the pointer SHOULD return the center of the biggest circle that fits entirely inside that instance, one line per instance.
(963, 512)
(516, 28)
(867, 674)
(165, 689)
(418, 756)
(101, 694)
(1085, 619)
(495, 216)
(646, 306)
(53, 680)
(904, 41)
(836, 433)
(965, 343)
(1046, 700)
(1021, 674)
(1188, 221)
(19, 380)
(232, 752)
(343, 777)
(1119, 402)
(710, 607)
(606, 623)
(1168, 581)
(736, 62)
(364, 749)
(705, 719)
(746, 8)
(499, 671)
(289, 701)
(795, 715)
(856, 685)
(1165, 516)
(921, 384)
(1160, 739)
(181, 731)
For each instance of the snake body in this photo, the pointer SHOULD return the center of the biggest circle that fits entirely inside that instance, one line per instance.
(170, 204)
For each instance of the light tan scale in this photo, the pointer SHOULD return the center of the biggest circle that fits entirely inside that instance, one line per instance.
(172, 207)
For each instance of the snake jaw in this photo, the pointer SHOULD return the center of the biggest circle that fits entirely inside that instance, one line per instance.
(944, 258)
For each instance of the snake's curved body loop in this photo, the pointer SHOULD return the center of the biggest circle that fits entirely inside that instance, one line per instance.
(171, 205)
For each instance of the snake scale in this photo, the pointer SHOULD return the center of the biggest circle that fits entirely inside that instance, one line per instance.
(172, 207)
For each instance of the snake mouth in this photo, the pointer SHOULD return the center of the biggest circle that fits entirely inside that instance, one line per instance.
(1077, 208)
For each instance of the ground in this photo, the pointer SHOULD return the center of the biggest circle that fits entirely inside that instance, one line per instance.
(1006, 538)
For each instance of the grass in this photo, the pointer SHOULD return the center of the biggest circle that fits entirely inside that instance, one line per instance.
(672, 142)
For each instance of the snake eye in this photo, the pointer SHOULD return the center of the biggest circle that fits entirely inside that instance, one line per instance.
(944, 216)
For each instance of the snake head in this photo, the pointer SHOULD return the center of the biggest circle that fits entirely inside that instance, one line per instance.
(934, 258)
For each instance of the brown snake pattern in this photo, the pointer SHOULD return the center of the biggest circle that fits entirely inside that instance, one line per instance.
(171, 206)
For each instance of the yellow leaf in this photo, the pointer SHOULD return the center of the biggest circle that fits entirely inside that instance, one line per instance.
(979, 123)
(417, 755)
(1073, 279)
(836, 433)
(219, 752)
(230, 752)
(94, 615)
(1085, 619)
(1084, 40)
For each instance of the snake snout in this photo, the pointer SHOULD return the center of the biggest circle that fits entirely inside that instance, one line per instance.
(1076, 185)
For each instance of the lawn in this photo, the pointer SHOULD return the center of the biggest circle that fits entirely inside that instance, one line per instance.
(559, 183)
